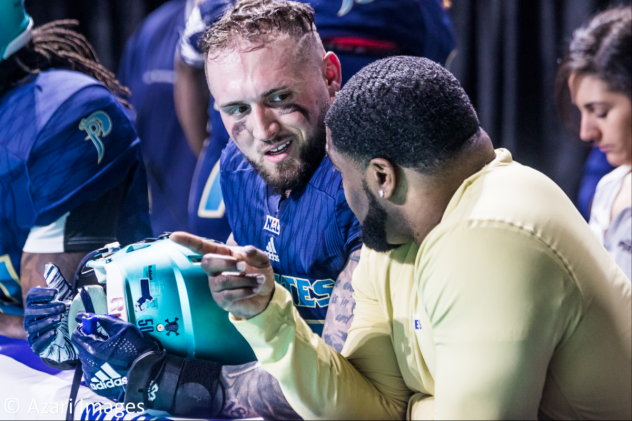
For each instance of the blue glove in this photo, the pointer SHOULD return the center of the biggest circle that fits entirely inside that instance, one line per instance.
(107, 348)
(46, 320)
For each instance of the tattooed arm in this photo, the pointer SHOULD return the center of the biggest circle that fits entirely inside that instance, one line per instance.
(341, 305)
(251, 392)
(31, 275)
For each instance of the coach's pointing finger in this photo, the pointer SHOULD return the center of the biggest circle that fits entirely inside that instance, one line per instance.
(243, 294)
(214, 264)
(199, 244)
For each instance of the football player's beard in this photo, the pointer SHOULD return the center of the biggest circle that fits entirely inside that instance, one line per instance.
(374, 224)
(294, 173)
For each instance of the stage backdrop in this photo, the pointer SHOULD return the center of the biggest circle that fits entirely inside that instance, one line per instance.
(507, 59)
(508, 52)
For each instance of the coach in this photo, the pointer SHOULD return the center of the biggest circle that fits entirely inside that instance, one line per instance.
(480, 293)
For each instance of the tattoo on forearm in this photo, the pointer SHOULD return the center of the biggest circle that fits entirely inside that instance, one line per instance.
(32, 275)
(33, 264)
(344, 319)
(251, 392)
(341, 306)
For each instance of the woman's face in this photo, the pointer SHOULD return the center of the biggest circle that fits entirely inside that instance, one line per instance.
(606, 117)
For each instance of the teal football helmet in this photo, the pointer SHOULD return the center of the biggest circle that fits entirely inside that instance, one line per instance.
(160, 287)
(15, 27)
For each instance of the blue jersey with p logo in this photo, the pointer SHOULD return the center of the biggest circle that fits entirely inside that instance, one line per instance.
(308, 237)
(65, 141)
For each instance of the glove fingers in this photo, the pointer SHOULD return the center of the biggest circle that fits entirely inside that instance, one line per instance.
(55, 279)
(35, 325)
(112, 325)
(40, 342)
(39, 295)
(81, 340)
(89, 346)
(82, 315)
(44, 310)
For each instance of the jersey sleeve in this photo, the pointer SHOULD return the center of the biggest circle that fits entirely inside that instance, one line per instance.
(202, 16)
(188, 46)
(86, 148)
(87, 227)
(363, 382)
(499, 301)
(437, 40)
(348, 224)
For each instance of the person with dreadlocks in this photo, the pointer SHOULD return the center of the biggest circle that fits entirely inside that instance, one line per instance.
(71, 177)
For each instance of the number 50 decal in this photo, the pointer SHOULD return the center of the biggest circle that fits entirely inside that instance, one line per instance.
(146, 325)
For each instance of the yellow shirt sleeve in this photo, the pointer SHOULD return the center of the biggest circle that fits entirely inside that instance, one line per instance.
(362, 383)
(500, 301)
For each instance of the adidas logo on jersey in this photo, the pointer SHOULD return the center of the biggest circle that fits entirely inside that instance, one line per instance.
(271, 251)
(107, 378)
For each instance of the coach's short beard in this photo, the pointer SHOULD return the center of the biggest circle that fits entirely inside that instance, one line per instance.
(293, 173)
(374, 224)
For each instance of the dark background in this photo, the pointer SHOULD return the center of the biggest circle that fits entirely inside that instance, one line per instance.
(507, 59)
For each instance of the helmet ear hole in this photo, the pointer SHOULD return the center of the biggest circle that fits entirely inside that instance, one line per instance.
(16, 27)
(195, 259)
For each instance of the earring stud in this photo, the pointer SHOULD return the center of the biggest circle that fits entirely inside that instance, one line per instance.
(381, 193)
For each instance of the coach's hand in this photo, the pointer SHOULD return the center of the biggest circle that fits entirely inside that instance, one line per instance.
(241, 278)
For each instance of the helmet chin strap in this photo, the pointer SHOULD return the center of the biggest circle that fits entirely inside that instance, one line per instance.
(19, 41)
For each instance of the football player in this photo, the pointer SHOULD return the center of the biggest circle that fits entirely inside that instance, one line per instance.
(357, 33)
(282, 195)
(71, 177)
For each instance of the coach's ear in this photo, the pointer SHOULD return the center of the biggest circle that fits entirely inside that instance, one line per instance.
(381, 178)
(332, 73)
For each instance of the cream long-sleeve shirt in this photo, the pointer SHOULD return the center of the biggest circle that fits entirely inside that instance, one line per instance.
(510, 307)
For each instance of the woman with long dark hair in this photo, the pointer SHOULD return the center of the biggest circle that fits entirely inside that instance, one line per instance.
(596, 76)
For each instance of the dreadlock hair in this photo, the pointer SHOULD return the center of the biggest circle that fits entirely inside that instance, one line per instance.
(599, 48)
(55, 45)
(258, 22)
(408, 110)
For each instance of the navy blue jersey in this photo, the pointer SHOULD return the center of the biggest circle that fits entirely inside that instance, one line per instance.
(207, 212)
(147, 68)
(65, 142)
(385, 27)
(359, 33)
(308, 237)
